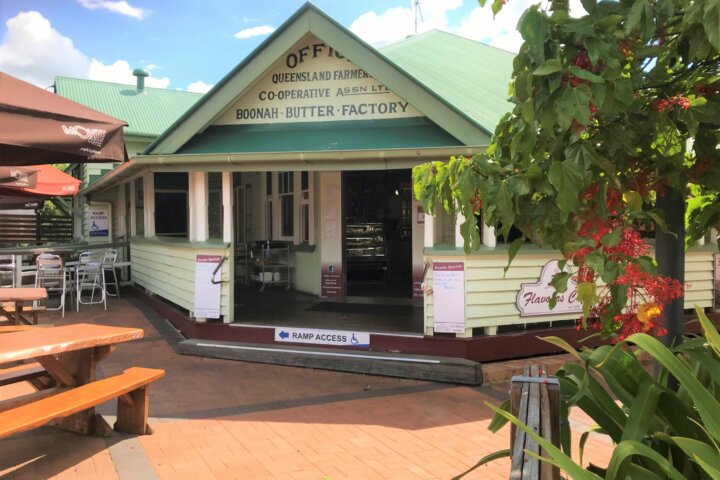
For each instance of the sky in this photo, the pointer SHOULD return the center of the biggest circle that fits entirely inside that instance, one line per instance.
(192, 44)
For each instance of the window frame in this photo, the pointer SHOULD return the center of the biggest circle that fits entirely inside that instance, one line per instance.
(302, 200)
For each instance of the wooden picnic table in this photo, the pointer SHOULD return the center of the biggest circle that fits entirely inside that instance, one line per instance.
(69, 354)
(17, 296)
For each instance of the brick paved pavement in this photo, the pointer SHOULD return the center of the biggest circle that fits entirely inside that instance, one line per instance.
(236, 420)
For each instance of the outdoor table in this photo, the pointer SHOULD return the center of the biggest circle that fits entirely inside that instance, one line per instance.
(18, 296)
(70, 355)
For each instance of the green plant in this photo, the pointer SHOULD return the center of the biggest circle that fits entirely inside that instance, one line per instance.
(658, 432)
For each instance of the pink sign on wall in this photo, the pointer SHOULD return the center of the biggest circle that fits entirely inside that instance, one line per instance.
(534, 298)
(449, 297)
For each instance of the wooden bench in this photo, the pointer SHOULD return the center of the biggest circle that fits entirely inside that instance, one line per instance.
(20, 373)
(32, 311)
(535, 400)
(131, 388)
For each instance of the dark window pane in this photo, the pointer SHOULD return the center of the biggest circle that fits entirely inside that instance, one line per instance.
(286, 215)
(171, 214)
(268, 183)
(306, 223)
(304, 182)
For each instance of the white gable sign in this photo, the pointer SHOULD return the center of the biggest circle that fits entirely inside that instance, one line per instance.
(534, 298)
(313, 82)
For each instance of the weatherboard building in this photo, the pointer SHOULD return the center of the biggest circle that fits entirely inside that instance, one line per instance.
(276, 211)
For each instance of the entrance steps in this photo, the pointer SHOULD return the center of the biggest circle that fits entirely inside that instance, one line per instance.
(420, 367)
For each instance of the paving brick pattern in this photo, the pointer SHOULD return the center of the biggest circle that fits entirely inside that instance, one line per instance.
(236, 420)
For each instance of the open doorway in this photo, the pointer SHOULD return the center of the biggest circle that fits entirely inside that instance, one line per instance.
(378, 233)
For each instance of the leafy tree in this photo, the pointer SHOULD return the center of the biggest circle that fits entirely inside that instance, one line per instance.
(614, 125)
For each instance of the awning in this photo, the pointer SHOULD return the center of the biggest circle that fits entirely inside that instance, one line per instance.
(10, 201)
(39, 127)
(18, 177)
(50, 182)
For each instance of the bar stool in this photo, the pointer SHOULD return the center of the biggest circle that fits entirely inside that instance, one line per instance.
(109, 266)
(90, 276)
(52, 277)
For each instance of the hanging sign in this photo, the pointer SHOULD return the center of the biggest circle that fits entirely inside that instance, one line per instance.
(207, 294)
(99, 222)
(533, 299)
(313, 82)
(449, 297)
(716, 280)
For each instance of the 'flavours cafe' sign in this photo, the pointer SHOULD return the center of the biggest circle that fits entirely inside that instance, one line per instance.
(314, 82)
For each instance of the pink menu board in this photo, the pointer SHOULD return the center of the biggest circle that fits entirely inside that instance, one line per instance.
(449, 297)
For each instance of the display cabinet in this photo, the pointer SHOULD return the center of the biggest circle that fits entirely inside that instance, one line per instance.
(270, 261)
(365, 253)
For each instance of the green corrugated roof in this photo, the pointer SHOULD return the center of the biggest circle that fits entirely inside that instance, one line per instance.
(471, 76)
(320, 136)
(150, 113)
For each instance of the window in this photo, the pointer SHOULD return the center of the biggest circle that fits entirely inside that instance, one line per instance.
(305, 224)
(215, 206)
(288, 209)
(139, 208)
(171, 205)
(287, 202)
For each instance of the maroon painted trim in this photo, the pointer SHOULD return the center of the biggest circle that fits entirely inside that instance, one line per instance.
(479, 349)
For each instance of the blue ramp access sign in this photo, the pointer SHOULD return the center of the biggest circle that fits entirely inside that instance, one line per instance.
(343, 338)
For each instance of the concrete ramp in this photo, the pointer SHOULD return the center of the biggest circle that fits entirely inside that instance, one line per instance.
(420, 367)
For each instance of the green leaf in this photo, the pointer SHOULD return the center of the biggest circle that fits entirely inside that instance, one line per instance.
(550, 66)
(486, 459)
(574, 103)
(563, 344)
(531, 27)
(584, 438)
(711, 22)
(559, 281)
(610, 272)
(611, 239)
(589, 5)
(513, 250)
(648, 264)
(633, 200)
(498, 421)
(642, 411)
(587, 295)
(709, 330)
(629, 448)
(709, 469)
(586, 75)
(596, 261)
(568, 182)
(561, 460)
(706, 404)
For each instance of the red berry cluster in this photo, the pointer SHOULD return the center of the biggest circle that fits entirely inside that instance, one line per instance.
(646, 293)
(707, 89)
(663, 105)
(625, 49)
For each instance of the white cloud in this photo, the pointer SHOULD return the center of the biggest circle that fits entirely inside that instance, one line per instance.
(199, 87)
(501, 31)
(397, 23)
(255, 32)
(120, 72)
(37, 53)
(122, 7)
